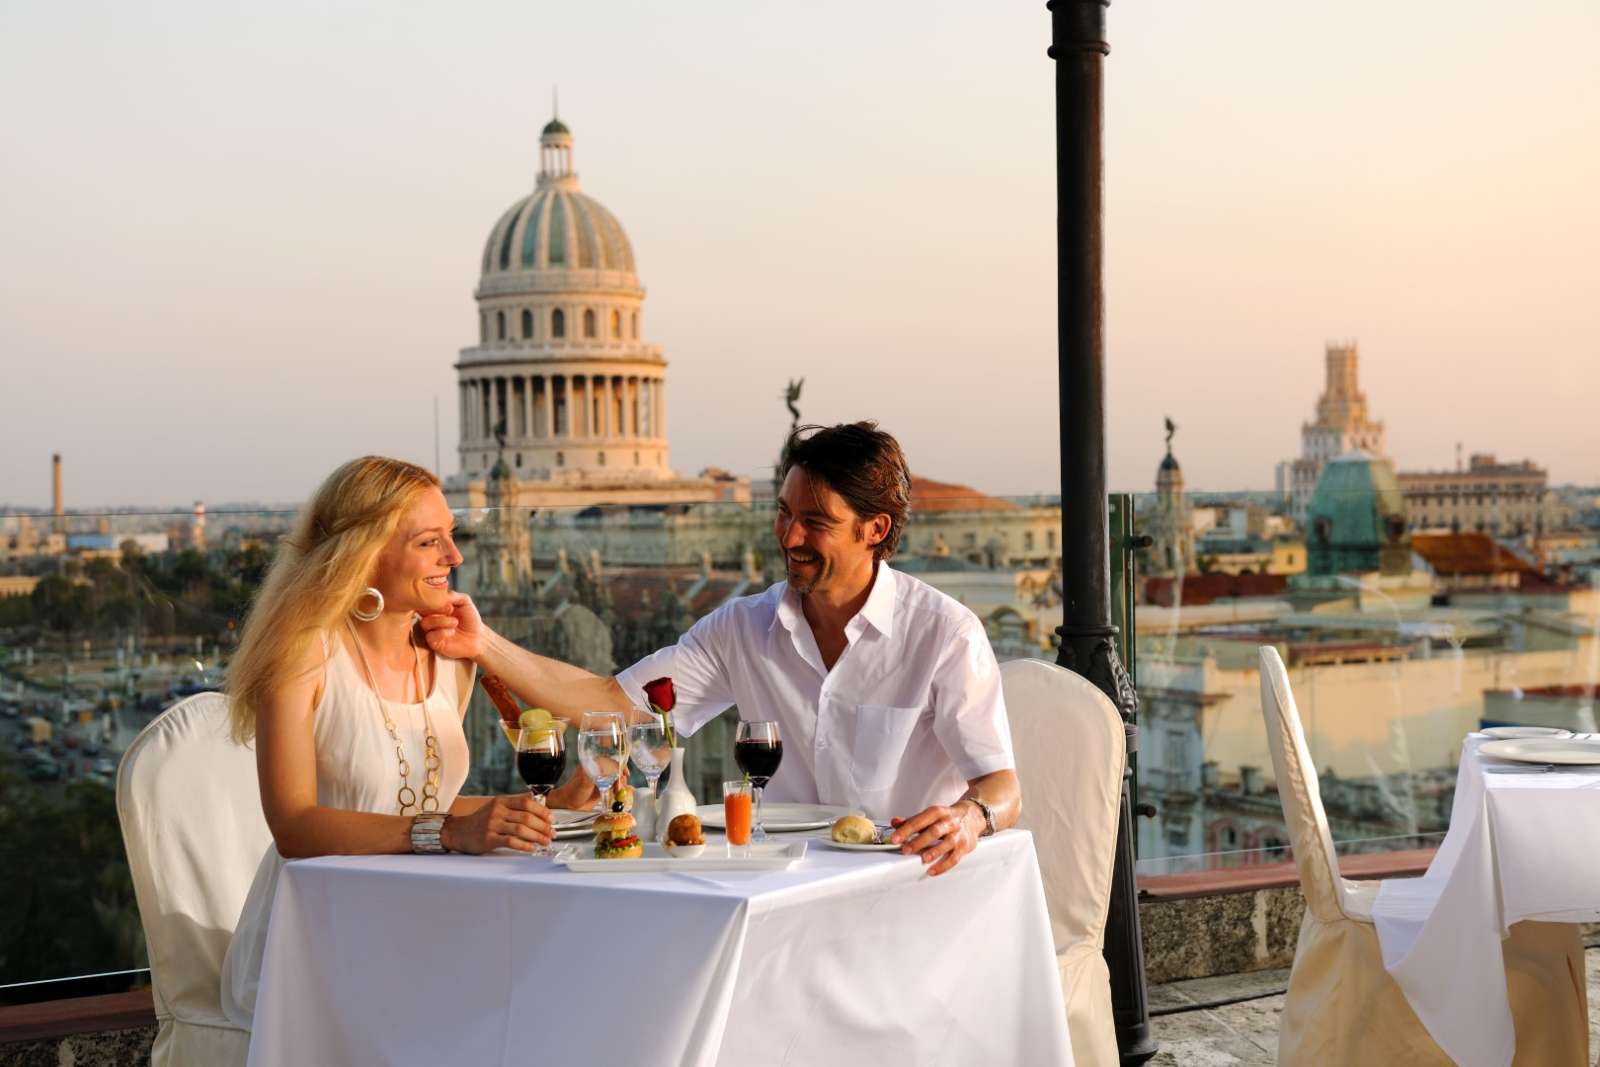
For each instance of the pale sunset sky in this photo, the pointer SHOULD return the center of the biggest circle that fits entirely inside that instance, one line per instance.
(240, 241)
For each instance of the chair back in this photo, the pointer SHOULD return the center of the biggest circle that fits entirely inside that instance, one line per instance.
(1300, 794)
(190, 808)
(1070, 753)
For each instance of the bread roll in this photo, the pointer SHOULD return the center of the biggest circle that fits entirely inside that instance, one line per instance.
(855, 830)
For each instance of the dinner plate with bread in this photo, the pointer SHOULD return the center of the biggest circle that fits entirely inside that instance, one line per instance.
(857, 833)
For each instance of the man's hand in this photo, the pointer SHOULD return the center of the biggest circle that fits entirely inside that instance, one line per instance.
(940, 835)
(516, 821)
(458, 633)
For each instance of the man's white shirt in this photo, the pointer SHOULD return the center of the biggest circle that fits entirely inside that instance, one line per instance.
(910, 711)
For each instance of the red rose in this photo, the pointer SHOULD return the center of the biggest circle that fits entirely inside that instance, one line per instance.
(660, 694)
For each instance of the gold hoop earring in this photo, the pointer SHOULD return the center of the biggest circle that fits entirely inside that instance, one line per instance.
(368, 616)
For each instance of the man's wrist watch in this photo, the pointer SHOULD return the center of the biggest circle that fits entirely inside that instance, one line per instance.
(427, 833)
(988, 813)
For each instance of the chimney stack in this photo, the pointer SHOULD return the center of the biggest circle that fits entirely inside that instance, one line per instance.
(57, 504)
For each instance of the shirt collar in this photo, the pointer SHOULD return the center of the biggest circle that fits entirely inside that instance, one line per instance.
(878, 611)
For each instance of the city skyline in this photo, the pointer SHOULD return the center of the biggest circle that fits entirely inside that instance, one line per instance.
(207, 252)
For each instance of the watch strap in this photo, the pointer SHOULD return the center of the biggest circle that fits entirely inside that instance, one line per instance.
(987, 812)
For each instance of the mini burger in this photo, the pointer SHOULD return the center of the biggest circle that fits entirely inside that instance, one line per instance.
(614, 838)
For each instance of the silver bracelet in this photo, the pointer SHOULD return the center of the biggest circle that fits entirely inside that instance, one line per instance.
(427, 833)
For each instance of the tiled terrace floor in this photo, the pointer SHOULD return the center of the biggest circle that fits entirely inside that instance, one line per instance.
(1245, 1034)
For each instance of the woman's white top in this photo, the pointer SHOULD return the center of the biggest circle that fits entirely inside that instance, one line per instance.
(357, 770)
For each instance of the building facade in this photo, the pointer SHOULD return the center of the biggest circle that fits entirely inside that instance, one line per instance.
(1499, 499)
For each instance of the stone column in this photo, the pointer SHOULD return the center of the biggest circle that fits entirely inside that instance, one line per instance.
(605, 400)
(661, 409)
(485, 411)
(549, 407)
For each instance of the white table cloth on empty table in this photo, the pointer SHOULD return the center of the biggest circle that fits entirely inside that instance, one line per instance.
(1520, 846)
(845, 958)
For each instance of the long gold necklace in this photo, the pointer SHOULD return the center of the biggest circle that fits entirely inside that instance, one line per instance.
(431, 761)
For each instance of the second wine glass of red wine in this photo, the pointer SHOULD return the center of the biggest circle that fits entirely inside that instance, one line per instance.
(758, 750)
(541, 759)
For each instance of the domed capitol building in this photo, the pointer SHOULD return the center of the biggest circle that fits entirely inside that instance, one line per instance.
(560, 388)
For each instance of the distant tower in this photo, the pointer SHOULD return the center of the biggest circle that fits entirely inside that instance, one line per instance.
(58, 504)
(1171, 531)
(197, 528)
(505, 555)
(1341, 426)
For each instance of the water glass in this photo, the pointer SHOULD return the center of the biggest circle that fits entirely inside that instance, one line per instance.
(603, 748)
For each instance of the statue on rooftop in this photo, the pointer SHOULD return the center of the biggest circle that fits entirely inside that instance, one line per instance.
(791, 396)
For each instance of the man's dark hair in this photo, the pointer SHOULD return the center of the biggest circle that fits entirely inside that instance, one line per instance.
(861, 463)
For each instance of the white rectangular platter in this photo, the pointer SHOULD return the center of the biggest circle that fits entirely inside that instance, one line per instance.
(772, 857)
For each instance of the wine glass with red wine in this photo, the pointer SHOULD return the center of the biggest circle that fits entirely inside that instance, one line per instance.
(541, 759)
(758, 750)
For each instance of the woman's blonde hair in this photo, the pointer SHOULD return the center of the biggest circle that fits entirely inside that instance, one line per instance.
(318, 574)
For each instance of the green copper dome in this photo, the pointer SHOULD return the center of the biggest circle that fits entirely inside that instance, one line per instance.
(557, 228)
(554, 126)
(1357, 518)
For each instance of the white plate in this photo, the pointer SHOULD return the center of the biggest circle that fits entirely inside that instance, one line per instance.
(1513, 733)
(781, 818)
(773, 857)
(565, 817)
(851, 847)
(1564, 750)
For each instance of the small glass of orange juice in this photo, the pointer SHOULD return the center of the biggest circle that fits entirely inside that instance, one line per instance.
(737, 800)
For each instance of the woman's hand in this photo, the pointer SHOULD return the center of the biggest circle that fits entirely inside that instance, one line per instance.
(516, 821)
(459, 633)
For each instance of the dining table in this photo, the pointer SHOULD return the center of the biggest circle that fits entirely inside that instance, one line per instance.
(1521, 845)
(844, 957)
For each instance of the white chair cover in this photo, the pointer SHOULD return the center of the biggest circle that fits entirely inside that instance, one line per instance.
(1342, 1007)
(190, 808)
(1070, 753)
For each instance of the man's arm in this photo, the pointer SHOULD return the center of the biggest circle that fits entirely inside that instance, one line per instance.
(970, 722)
(565, 690)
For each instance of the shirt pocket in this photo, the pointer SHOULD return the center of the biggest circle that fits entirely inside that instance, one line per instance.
(882, 733)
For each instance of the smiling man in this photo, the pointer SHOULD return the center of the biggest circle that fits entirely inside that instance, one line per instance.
(885, 690)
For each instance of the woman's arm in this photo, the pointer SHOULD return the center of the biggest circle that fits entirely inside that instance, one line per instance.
(286, 763)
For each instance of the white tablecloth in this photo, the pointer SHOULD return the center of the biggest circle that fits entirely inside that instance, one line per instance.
(507, 959)
(1520, 846)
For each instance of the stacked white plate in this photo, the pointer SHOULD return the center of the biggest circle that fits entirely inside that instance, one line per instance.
(1574, 751)
(780, 818)
(1513, 733)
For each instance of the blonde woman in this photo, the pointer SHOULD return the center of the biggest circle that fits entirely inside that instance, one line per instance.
(356, 723)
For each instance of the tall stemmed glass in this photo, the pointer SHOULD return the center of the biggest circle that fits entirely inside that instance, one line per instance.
(541, 757)
(649, 751)
(758, 750)
(603, 748)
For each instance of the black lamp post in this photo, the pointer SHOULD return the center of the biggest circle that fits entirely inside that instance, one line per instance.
(1088, 644)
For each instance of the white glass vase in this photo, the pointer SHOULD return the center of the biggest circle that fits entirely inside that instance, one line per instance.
(676, 800)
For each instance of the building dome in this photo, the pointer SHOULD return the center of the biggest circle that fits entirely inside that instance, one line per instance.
(1357, 518)
(557, 228)
(560, 383)
(1169, 463)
